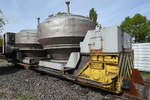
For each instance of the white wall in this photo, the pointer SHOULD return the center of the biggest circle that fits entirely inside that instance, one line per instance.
(142, 56)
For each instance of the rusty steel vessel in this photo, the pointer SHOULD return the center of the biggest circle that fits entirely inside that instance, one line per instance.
(61, 34)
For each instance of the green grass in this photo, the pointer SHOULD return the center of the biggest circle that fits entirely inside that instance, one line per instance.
(28, 96)
(1, 60)
(145, 73)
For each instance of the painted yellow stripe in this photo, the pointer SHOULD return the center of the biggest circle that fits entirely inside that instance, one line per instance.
(120, 59)
(132, 59)
(130, 65)
(86, 66)
(120, 64)
(123, 65)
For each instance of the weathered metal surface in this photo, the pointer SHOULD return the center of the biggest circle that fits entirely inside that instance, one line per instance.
(107, 39)
(142, 56)
(136, 77)
(73, 60)
(62, 64)
(32, 60)
(26, 66)
(57, 65)
(9, 44)
(63, 33)
(83, 60)
(26, 41)
(26, 37)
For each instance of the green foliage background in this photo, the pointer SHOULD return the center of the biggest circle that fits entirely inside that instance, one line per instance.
(138, 26)
(59, 13)
(2, 22)
(93, 15)
(1, 41)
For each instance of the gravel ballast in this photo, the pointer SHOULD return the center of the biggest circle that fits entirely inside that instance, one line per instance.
(16, 82)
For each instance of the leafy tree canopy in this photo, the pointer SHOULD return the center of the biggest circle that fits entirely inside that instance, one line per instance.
(59, 13)
(51, 15)
(1, 41)
(93, 15)
(138, 26)
(2, 23)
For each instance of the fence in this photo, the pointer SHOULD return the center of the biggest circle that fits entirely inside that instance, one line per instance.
(142, 56)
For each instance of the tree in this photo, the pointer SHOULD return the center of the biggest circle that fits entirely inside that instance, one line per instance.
(138, 26)
(1, 41)
(51, 15)
(93, 15)
(59, 13)
(2, 23)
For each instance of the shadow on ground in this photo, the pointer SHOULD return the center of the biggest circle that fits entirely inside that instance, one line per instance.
(9, 70)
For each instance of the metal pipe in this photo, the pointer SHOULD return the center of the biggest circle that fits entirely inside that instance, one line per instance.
(38, 19)
(68, 7)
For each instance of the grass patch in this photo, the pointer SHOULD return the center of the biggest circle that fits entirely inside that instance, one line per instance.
(1, 60)
(28, 96)
(145, 73)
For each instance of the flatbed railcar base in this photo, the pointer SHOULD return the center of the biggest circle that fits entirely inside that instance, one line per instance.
(68, 77)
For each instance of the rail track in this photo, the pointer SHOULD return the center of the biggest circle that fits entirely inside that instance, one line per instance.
(126, 95)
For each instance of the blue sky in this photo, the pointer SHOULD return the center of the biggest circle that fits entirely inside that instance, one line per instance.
(22, 14)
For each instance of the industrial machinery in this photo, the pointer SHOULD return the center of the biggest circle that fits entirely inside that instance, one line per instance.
(9, 45)
(75, 50)
(105, 61)
(61, 34)
(23, 47)
(29, 49)
(111, 58)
